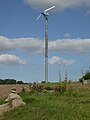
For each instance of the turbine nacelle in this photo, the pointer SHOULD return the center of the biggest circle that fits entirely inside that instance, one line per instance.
(45, 13)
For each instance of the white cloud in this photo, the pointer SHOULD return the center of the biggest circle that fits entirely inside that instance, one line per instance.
(5, 44)
(35, 46)
(60, 4)
(58, 60)
(30, 45)
(70, 45)
(55, 59)
(9, 59)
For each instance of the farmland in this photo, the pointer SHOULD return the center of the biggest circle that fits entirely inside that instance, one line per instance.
(73, 103)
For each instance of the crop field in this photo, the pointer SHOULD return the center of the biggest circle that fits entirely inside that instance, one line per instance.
(71, 102)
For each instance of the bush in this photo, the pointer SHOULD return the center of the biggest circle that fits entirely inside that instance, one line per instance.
(36, 87)
(61, 88)
(48, 88)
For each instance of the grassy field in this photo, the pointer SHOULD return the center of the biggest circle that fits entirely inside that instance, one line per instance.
(72, 104)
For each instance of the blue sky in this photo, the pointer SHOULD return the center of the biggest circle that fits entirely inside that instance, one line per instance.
(22, 39)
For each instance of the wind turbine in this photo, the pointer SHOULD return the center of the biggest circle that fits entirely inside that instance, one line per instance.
(45, 14)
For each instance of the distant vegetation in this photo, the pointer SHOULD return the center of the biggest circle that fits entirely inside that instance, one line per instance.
(10, 81)
(85, 77)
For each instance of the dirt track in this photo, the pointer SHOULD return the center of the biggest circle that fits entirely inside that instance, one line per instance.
(5, 89)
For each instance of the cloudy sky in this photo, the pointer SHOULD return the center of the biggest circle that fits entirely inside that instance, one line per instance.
(22, 39)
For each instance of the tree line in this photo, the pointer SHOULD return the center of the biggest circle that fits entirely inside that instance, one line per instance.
(10, 81)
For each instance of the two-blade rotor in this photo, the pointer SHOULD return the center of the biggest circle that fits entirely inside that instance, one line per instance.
(45, 12)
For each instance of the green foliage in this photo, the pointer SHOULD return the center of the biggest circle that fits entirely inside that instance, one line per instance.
(48, 88)
(81, 79)
(10, 81)
(2, 101)
(2, 81)
(43, 82)
(87, 75)
(19, 82)
(61, 88)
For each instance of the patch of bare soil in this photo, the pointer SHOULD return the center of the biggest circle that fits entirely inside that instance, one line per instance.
(5, 89)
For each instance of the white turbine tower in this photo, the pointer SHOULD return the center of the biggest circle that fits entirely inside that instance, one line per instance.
(45, 14)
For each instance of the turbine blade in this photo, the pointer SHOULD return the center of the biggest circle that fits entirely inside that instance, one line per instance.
(49, 8)
(38, 17)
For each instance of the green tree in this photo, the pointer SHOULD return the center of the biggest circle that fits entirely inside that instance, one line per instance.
(87, 76)
(19, 82)
(10, 81)
(2, 81)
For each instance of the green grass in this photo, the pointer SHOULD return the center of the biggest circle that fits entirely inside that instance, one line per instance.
(71, 105)
(2, 101)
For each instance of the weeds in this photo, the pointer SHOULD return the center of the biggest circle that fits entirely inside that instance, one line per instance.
(67, 103)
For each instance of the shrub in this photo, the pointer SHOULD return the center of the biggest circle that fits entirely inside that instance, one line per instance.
(48, 88)
(36, 87)
(61, 88)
